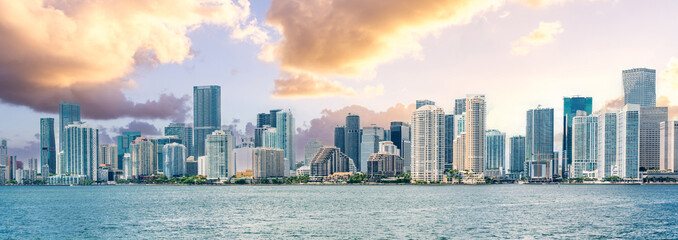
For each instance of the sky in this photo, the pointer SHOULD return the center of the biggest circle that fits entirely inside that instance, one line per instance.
(132, 64)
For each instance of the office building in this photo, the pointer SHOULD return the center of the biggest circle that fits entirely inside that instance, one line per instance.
(3, 153)
(268, 163)
(459, 106)
(330, 160)
(639, 87)
(127, 166)
(607, 144)
(183, 132)
(68, 113)
(570, 107)
(388, 147)
(371, 137)
(584, 146)
(47, 144)
(285, 135)
(81, 147)
(219, 150)
(352, 138)
(495, 145)
(311, 149)
(142, 155)
(459, 158)
(108, 154)
(428, 133)
(628, 146)
(206, 115)
(174, 162)
(263, 119)
(340, 138)
(517, 157)
(124, 141)
(449, 141)
(650, 136)
(669, 145)
(421, 103)
(400, 136)
(475, 133)
(539, 155)
(158, 145)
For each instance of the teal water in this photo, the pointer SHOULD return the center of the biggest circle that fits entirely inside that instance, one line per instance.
(372, 212)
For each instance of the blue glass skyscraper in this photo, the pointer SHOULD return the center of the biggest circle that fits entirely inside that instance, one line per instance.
(449, 141)
(539, 143)
(124, 141)
(639, 87)
(206, 115)
(495, 145)
(68, 113)
(517, 145)
(570, 107)
(47, 145)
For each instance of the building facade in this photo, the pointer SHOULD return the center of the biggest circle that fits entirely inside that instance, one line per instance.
(219, 150)
(584, 146)
(206, 115)
(142, 153)
(310, 149)
(81, 145)
(330, 160)
(639, 86)
(174, 160)
(628, 138)
(386, 164)
(47, 144)
(124, 141)
(539, 144)
(108, 154)
(369, 144)
(650, 137)
(570, 107)
(68, 113)
(352, 138)
(495, 149)
(607, 145)
(517, 157)
(669, 145)
(428, 133)
(424, 102)
(475, 133)
(268, 163)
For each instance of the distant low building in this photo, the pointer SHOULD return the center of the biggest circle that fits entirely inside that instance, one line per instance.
(268, 162)
(389, 165)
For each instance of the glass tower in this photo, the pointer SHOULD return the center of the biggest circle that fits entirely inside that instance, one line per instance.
(584, 146)
(639, 87)
(47, 145)
(570, 107)
(372, 135)
(68, 113)
(628, 132)
(421, 103)
(495, 144)
(449, 141)
(539, 143)
(206, 115)
(352, 138)
(124, 141)
(517, 145)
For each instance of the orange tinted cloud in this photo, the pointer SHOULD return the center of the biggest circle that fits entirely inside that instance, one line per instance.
(307, 85)
(82, 51)
(544, 34)
(344, 37)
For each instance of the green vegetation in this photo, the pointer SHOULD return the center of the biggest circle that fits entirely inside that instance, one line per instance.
(613, 179)
(357, 178)
(240, 181)
(294, 179)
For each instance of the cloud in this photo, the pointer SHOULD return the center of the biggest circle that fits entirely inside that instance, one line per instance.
(145, 128)
(351, 37)
(663, 101)
(544, 34)
(308, 85)
(670, 74)
(540, 3)
(30, 150)
(323, 127)
(612, 105)
(82, 51)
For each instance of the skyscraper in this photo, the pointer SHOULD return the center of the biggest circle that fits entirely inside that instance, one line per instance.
(650, 118)
(539, 143)
(174, 162)
(669, 145)
(570, 107)
(475, 133)
(495, 145)
(184, 133)
(108, 154)
(124, 141)
(449, 141)
(268, 162)
(639, 86)
(607, 144)
(206, 115)
(142, 153)
(263, 119)
(517, 145)
(263, 122)
(47, 145)
(330, 160)
(372, 135)
(219, 150)
(421, 103)
(352, 143)
(428, 133)
(3, 153)
(340, 138)
(285, 135)
(68, 113)
(159, 143)
(311, 149)
(628, 147)
(273, 115)
(459, 106)
(584, 146)
(81, 148)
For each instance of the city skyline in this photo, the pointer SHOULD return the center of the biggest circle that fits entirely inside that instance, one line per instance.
(247, 77)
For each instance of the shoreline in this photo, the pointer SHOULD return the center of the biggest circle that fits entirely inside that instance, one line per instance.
(339, 184)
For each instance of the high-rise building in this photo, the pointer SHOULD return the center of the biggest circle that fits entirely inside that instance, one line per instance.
(311, 149)
(183, 132)
(424, 102)
(263, 119)
(174, 162)
(159, 143)
(400, 136)
(3, 153)
(607, 144)
(669, 145)
(495, 145)
(108, 154)
(47, 145)
(330, 160)
(340, 138)
(628, 137)
(81, 146)
(206, 115)
(268, 162)
(219, 150)
(273, 114)
(124, 141)
(459, 158)
(650, 136)
(570, 107)
(191, 167)
(517, 145)
(285, 135)
(428, 133)
(475, 133)
(584, 146)
(386, 164)
(352, 138)
(142, 153)
(459, 106)
(175, 129)
(388, 147)
(371, 137)
(68, 113)
(449, 141)
(539, 144)
(639, 86)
